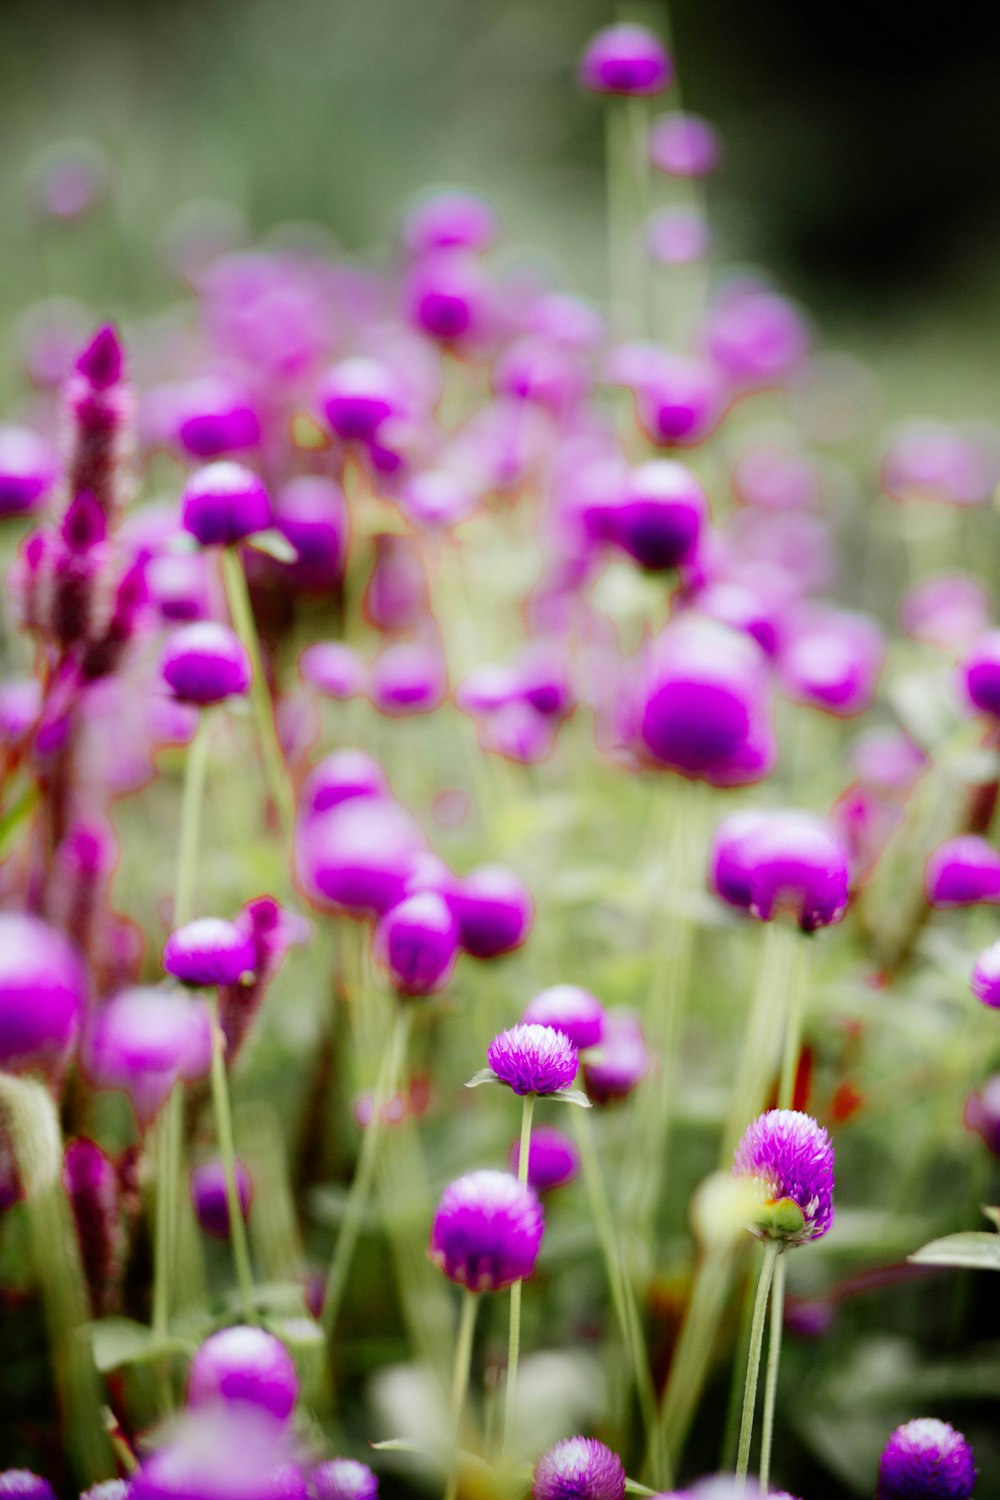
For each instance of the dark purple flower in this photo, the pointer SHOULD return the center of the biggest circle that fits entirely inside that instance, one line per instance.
(659, 518)
(311, 512)
(357, 396)
(570, 1009)
(770, 863)
(790, 1158)
(926, 1460)
(494, 911)
(626, 59)
(206, 663)
(418, 943)
(244, 1364)
(223, 503)
(683, 145)
(981, 673)
(533, 1059)
(963, 871)
(408, 678)
(215, 417)
(578, 1468)
(207, 951)
(680, 399)
(553, 1160)
(487, 1231)
(28, 470)
(210, 1199)
(358, 855)
(343, 1479)
(21, 1484)
(92, 1186)
(43, 991)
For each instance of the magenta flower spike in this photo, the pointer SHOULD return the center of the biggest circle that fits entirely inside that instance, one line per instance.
(271, 931)
(659, 519)
(28, 471)
(449, 220)
(208, 951)
(334, 670)
(986, 977)
(244, 1364)
(612, 1070)
(142, 1041)
(553, 1160)
(533, 1059)
(358, 856)
(224, 503)
(209, 1197)
(569, 1009)
(773, 863)
(487, 1231)
(964, 871)
(626, 59)
(789, 1158)
(206, 663)
(578, 1468)
(417, 941)
(343, 1479)
(340, 777)
(683, 145)
(926, 1460)
(43, 992)
(99, 406)
(980, 674)
(494, 911)
(22, 1484)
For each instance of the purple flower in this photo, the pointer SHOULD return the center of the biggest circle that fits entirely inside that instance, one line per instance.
(680, 399)
(494, 912)
(28, 470)
(487, 1231)
(533, 1059)
(244, 1364)
(982, 1113)
(100, 411)
(142, 1041)
(334, 669)
(358, 855)
(832, 659)
(449, 220)
(981, 673)
(659, 518)
(447, 296)
(357, 396)
(578, 1468)
(223, 1451)
(949, 610)
(986, 976)
(678, 237)
(343, 1479)
(620, 1063)
(418, 943)
(208, 951)
(626, 59)
(311, 512)
(24, 1485)
(42, 995)
(570, 1009)
(962, 872)
(553, 1160)
(271, 930)
(935, 461)
(340, 777)
(769, 863)
(775, 477)
(683, 145)
(215, 417)
(408, 678)
(926, 1460)
(206, 663)
(791, 1159)
(210, 1199)
(223, 503)
(756, 337)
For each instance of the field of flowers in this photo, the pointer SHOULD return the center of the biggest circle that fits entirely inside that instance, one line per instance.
(497, 873)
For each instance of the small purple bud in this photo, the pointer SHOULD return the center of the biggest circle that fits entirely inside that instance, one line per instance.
(683, 145)
(340, 777)
(533, 1059)
(223, 503)
(42, 996)
(964, 871)
(569, 1009)
(926, 1460)
(216, 418)
(206, 663)
(343, 1479)
(210, 1198)
(208, 951)
(408, 678)
(789, 1156)
(678, 237)
(334, 669)
(494, 912)
(620, 1063)
(626, 59)
(660, 517)
(578, 1468)
(244, 1364)
(101, 362)
(417, 941)
(28, 470)
(553, 1160)
(487, 1231)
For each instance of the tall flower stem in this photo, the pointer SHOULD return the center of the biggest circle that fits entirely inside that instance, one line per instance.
(460, 1380)
(793, 1024)
(275, 769)
(227, 1151)
(766, 1018)
(514, 1336)
(772, 1249)
(393, 1060)
(627, 177)
(771, 1377)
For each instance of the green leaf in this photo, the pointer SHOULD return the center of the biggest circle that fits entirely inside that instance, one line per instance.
(993, 1214)
(570, 1096)
(274, 544)
(485, 1075)
(976, 1250)
(117, 1342)
(633, 1487)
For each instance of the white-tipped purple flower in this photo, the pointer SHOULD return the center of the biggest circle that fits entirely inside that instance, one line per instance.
(244, 1364)
(206, 663)
(22, 1484)
(42, 995)
(578, 1468)
(417, 940)
(570, 1009)
(789, 1158)
(358, 856)
(487, 1231)
(408, 678)
(210, 1196)
(986, 976)
(660, 516)
(28, 470)
(334, 670)
(626, 59)
(209, 950)
(223, 1451)
(964, 871)
(926, 1460)
(224, 503)
(680, 399)
(494, 911)
(553, 1159)
(357, 396)
(343, 1479)
(613, 1069)
(981, 674)
(142, 1041)
(832, 659)
(533, 1059)
(771, 863)
(678, 237)
(340, 777)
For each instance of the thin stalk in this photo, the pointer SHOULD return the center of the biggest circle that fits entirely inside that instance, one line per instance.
(772, 1249)
(275, 769)
(514, 1335)
(793, 1026)
(616, 127)
(771, 1377)
(765, 1019)
(364, 1177)
(460, 1380)
(227, 1151)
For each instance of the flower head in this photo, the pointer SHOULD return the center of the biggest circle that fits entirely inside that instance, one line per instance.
(962, 872)
(771, 862)
(621, 1062)
(533, 1059)
(578, 1468)
(790, 1156)
(569, 1009)
(207, 951)
(418, 943)
(244, 1365)
(487, 1231)
(206, 663)
(494, 911)
(210, 1197)
(343, 1479)
(553, 1160)
(223, 503)
(24, 1485)
(626, 59)
(926, 1460)
(42, 995)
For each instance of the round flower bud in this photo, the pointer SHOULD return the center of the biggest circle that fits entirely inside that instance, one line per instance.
(981, 674)
(659, 519)
(358, 855)
(570, 1009)
(210, 1199)
(926, 1460)
(832, 659)
(683, 145)
(681, 399)
(790, 1158)
(343, 1479)
(206, 663)
(24, 1485)
(962, 872)
(215, 417)
(553, 1159)
(209, 950)
(142, 1041)
(357, 396)
(774, 862)
(533, 1059)
(620, 1063)
(334, 669)
(578, 1468)
(28, 470)
(448, 221)
(447, 296)
(408, 678)
(223, 503)
(626, 59)
(494, 912)
(487, 1231)
(986, 976)
(244, 1364)
(418, 943)
(755, 337)
(340, 777)
(42, 996)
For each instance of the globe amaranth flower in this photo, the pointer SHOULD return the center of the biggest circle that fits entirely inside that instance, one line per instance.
(42, 996)
(223, 1451)
(339, 777)
(570, 1009)
(768, 863)
(790, 1157)
(418, 943)
(206, 663)
(494, 911)
(926, 1460)
(210, 1196)
(223, 503)
(660, 515)
(982, 1113)
(207, 951)
(487, 1231)
(533, 1059)
(246, 1365)
(962, 872)
(28, 470)
(980, 674)
(24, 1485)
(578, 1468)
(986, 976)
(553, 1159)
(358, 855)
(626, 59)
(343, 1479)
(612, 1070)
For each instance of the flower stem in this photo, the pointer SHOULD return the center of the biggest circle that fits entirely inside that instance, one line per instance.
(227, 1151)
(514, 1336)
(772, 1249)
(793, 1026)
(460, 1379)
(765, 1020)
(364, 1177)
(771, 1377)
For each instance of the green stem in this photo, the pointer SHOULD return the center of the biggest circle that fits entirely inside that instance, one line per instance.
(524, 1148)
(514, 1335)
(771, 1377)
(767, 1016)
(772, 1249)
(793, 1026)
(364, 1177)
(275, 769)
(460, 1379)
(192, 801)
(227, 1151)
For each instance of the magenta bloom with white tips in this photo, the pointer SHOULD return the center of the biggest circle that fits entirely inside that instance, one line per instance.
(533, 1059)
(487, 1231)
(926, 1460)
(790, 1156)
(578, 1468)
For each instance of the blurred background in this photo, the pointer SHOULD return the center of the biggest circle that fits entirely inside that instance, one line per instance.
(861, 165)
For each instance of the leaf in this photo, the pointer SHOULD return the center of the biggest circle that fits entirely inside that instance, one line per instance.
(12, 817)
(993, 1214)
(633, 1487)
(976, 1250)
(117, 1342)
(485, 1075)
(436, 1456)
(571, 1096)
(273, 543)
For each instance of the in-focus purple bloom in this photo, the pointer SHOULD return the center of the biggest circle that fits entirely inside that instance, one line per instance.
(926, 1460)
(770, 863)
(209, 950)
(487, 1231)
(570, 1009)
(42, 996)
(343, 1479)
(626, 59)
(24, 1485)
(357, 396)
(210, 1199)
(408, 678)
(553, 1159)
(613, 1069)
(244, 1365)
(533, 1059)
(963, 871)
(206, 663)
(224, 503)
(494, 911)
(789, 1156)
(578, 1468)
(418, 943)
